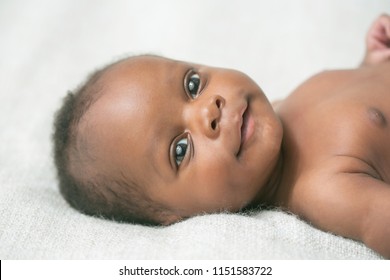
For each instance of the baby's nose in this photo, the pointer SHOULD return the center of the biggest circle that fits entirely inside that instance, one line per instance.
(211, 115)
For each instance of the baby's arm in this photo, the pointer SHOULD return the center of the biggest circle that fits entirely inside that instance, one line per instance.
(374, 213)
(354, 205)
(378, 41)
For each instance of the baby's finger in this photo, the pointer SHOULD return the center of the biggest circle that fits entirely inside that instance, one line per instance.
(384, 22)
(378, 36)
(387, 28)
(383, 18)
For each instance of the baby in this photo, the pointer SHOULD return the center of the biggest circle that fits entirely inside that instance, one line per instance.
(154, 141)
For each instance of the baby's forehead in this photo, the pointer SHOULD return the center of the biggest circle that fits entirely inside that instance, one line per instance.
(116, 113)
(140, 74)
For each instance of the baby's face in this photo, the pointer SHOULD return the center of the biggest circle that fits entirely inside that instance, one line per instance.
(197, 139)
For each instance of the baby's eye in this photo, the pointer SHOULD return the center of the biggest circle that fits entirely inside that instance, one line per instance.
(193, 85)
(180, 150)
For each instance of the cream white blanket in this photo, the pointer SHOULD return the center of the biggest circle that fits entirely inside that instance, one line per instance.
(47, 47)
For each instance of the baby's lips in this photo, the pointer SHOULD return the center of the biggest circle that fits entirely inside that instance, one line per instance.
(241, 126)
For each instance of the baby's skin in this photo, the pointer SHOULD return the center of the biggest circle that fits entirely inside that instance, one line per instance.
(200, 140)
(336, 154)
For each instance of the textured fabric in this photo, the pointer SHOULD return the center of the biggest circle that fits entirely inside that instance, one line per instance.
(48, 47)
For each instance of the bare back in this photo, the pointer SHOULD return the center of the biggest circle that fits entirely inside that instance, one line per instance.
(337, 152)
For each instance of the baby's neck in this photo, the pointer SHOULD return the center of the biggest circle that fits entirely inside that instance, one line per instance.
(267, 197)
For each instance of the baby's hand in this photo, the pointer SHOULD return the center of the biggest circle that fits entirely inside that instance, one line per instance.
(378, 41)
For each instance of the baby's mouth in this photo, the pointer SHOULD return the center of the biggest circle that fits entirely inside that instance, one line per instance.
(244, 126)
(243, 129)
(247, 129)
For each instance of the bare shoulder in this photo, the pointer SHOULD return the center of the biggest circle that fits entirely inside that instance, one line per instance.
(347, 200)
